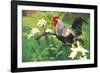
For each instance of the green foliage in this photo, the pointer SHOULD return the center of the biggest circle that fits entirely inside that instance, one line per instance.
(48, 48)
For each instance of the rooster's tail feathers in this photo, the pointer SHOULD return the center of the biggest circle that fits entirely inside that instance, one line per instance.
(77, 25)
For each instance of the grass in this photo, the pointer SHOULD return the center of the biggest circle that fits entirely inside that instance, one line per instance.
(47, 50)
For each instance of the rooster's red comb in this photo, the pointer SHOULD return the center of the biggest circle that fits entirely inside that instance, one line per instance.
(55, 17)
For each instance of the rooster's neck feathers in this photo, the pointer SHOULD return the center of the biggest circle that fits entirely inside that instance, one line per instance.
(59, 28)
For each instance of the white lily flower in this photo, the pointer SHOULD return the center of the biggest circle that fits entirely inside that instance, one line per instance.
(75, 51)
(41, 22)
(33, 32)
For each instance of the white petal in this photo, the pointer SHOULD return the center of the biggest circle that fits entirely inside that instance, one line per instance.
(48, 30)
(73, 55)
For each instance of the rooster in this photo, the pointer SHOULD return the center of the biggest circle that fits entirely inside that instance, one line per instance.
(68, 35)
(65, 35)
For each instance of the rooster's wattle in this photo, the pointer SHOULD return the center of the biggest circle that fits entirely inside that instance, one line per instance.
(68, 34)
